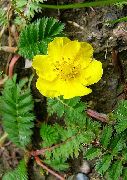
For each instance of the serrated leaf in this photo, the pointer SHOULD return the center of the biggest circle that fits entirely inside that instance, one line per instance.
(115, 170)
(103, 165)
(121, 116)
(106, 135)
(117, 144)
(124, 175)
(17, 105)
(20, 173)
(34, 38)
(93, 153)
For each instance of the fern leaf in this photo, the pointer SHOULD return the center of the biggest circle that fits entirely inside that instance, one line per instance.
(103, 165)
(121, 116)
(124, 175)
(73, 110)
(17, 105)
(115, 170)
(117, 144)
(35, 37)
(20, 173)
(106, 136)
(50, 134)
(93, 153)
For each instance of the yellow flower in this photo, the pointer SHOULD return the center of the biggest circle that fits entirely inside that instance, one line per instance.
(67, 69)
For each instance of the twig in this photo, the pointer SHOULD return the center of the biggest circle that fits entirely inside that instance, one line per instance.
(43, 150)
(39, 162)
(8, 49)
(12, 64)
(3, 138)
(99, 116)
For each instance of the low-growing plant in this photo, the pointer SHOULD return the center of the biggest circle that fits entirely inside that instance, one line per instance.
(64, 70)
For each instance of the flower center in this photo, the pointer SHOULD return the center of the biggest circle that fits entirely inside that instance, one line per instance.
(66, 69)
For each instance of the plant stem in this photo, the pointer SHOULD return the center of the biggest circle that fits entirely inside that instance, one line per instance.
(12, 64)
(3, 138)
(39, 162)
(43, 150)
(81, 5)
(8, 49)
(99, 116)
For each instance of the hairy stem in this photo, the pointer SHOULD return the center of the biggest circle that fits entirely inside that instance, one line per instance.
(99, 116)
(39, 162)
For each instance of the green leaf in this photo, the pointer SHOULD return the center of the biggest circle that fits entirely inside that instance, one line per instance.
(92, 153)
(103, 165)
(115, 170)
(35, 37)
(121, 116)
(117, 144)
(20, 173)
(106, 135)
(124, 175)
(16, 109)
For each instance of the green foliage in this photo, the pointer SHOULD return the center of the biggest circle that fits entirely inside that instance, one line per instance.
(3, 17)
(73, 110)
(115, 170)
(66, 141)
(112, 144)
(35, 37)
(93, 152)
(120, 115)
(121, 4)
(17, 106)
(20, 173)
(106, 135)
(28, 7)
(103, 165)
(25, 10)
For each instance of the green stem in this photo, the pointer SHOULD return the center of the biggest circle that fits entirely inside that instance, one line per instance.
(81, 5)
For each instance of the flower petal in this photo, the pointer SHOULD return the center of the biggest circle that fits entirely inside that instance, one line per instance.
(85, 54)
(55, 47)
(47, 88)
(71, 49)
(44, 67)
(74, 88)
(93, 72)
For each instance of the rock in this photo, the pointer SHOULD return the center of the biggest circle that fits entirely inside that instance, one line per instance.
(81, 176)
(85, 168)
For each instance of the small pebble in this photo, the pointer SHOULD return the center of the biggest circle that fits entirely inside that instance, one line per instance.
(85, 167)
(81, 176)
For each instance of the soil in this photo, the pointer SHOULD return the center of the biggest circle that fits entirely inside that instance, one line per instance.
(110, 47)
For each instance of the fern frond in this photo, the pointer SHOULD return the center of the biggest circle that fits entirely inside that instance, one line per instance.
(103, 165)
(68, 140)
(120, 114)
(73, 110)
(20, 173)
(68, 145)
(106, 135)
(17, 107)
(93, 152)
(115, 170)
(35, 37)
